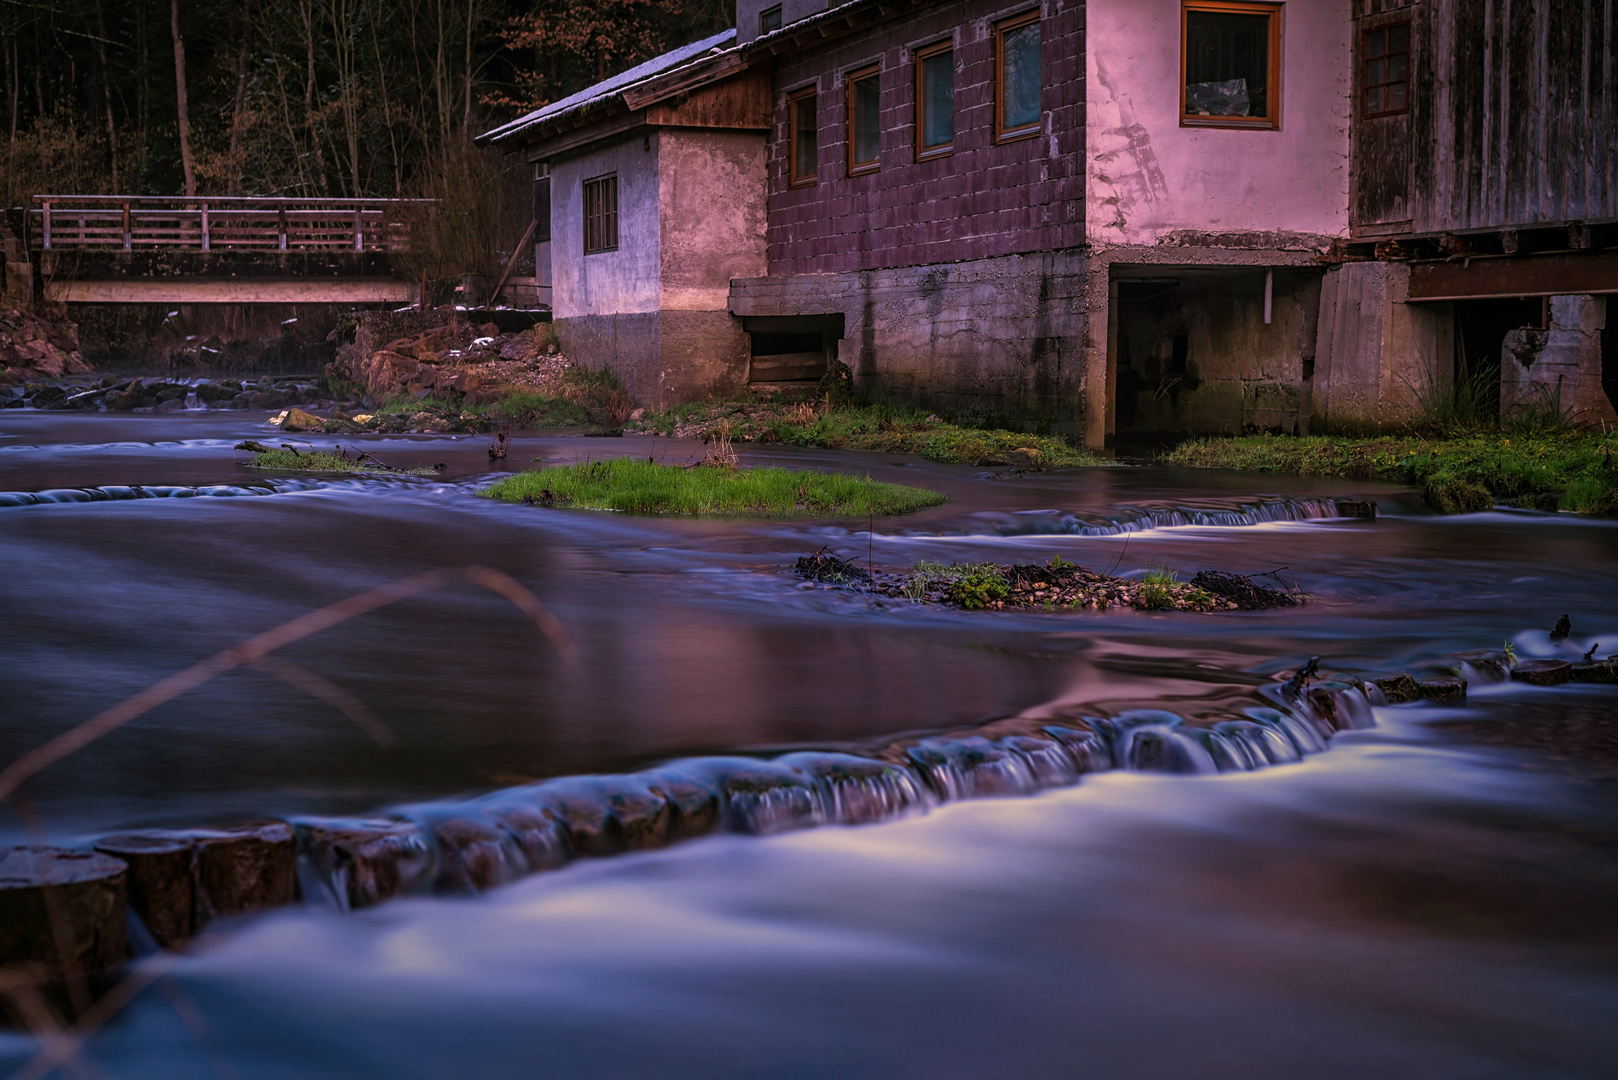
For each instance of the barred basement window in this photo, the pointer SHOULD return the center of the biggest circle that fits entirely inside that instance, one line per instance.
(1016, 77)
(864, 121)
(935, 101)
(601, 214)
(1387, 70)
(1230, 64)
(803, 147)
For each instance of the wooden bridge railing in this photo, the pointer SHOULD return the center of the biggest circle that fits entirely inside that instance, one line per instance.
(178, 223)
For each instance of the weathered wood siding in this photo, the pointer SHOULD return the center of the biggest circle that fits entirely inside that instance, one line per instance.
(1513, 117)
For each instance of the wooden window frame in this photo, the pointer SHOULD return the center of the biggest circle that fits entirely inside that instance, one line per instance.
(597, 218)
(1002, 134)
(859, 75)
(774, 9)
(928, 153)
(1365, 59)
(1271, 122)
(793, 178)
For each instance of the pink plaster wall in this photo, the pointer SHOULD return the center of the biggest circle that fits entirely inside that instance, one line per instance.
(1149, 177)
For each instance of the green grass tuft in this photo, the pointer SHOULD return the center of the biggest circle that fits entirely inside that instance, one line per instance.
(321, 461)
(884, 428)
(1573, 470)
(633, 485)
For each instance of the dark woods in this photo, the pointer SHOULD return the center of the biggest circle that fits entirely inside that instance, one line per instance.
(301, 97)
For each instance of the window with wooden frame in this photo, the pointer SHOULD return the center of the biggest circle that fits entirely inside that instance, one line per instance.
(1385, 70)
(1230, 64)
(601, 214)
(935, 100)
(803, 144)
(769, 19)
(1016, 77)
(864, 120)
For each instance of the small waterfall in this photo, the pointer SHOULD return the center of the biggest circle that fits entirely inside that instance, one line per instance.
(118, 493)
(354, 863)
(972, 768)
(471, 845)
(858, 791)
(755, 796)
(1131, 519)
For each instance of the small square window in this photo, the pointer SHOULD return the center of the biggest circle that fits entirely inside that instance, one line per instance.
(601, 214)
(769, 19)
(1016, 82)
(864, 121)
(935, 101)
(802, 140)
(1385, 76)
(1230, 73)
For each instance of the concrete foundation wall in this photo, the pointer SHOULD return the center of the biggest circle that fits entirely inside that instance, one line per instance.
(1377, 358)
(662, 358)
(1149, 177)
(606, 283)
(1559, 366)
(992, 339)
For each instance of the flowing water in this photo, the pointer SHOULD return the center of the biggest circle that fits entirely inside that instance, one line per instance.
(1249, 894)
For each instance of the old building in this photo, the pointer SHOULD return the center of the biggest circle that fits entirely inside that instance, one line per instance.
(1112, 219)
(1483, 212)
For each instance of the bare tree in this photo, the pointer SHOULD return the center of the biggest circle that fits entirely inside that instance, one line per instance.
(185, 108)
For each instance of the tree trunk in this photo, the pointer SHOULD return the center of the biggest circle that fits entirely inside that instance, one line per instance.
(106, 86)
(185, 109)
(240, 104)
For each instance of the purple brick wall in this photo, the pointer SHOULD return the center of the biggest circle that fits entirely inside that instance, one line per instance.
(981, 201)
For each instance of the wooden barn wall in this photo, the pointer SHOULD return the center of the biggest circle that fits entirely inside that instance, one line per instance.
(1513, 118)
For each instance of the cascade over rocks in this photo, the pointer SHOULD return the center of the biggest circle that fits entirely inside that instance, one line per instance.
(177, 881)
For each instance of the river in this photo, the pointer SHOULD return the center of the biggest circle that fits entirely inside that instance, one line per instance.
(1413, 901)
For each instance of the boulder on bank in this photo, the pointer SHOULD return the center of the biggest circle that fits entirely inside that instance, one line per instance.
(34, 346)
(296, 419)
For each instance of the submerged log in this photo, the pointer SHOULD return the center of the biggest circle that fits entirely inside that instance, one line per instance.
(1443, 689)
(1399, 689)
(365, 862)
(179, 880)
(61, 910)
(1543, 672)
(161, 884)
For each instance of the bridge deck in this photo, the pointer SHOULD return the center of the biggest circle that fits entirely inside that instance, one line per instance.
(177, 223)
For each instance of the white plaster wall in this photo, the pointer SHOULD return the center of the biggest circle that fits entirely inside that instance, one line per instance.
(609, 282)
(711, 199)
(1148, 176)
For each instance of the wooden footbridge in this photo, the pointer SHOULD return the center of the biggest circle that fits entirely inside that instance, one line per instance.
(129, 249)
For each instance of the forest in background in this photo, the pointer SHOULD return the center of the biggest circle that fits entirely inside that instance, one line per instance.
(303, 98)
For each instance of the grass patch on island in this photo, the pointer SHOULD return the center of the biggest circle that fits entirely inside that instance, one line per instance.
(321, 461)
(1563, 470)
(634, 485)
(884, 428)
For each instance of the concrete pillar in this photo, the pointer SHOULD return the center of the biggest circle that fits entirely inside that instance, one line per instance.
(1558, 368)
(1379, 360)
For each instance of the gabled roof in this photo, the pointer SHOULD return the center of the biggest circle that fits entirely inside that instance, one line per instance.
(604, 92)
